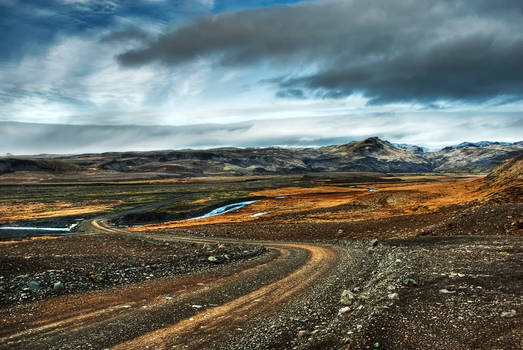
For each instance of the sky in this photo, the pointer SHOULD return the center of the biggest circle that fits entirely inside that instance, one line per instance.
(114, 75)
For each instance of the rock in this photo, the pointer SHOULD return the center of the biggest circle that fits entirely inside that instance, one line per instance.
(33, 285)
(344, 310)
(409, 282)
(212, 259)
(508, 314)
(58, 286)
(340, 231)
(95, 278)
(376, 345)
(374, 243)
(393, 296)
(347, 297)
(196, 306)
(446, 291)
(302, 334)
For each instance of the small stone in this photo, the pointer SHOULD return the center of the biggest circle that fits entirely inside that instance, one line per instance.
(393, 296)
(376, 345)
(508, 314)
(409, 282)
(347, 297)
(58, 286)
(212, 259)
(197, 306)
(340, 231)
(33, 285)
(446, 291)
(96, 278)
(374, 243)
(344, 310)
(302, 334)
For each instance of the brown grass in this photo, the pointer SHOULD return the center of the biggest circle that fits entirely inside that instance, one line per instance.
(34, 210)
(322, 203)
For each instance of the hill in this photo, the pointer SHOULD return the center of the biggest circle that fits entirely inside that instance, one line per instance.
(473, 157)
(369, 155)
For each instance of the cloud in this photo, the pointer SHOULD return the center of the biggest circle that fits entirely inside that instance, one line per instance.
(422, 128)
(409, 51)
(130, 33)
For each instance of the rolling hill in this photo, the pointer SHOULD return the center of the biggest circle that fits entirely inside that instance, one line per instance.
(370, 155)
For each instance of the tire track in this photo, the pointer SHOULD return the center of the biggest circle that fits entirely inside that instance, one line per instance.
(89, 316)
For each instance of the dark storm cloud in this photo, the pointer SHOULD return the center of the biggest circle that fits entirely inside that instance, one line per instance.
(420, 51)
(291, 93)
(130, 33)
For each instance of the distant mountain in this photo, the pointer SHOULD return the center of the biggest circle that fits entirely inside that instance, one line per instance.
(411, 148)
(372, 155)
(10, 164)
(482, 144)
(473, 157)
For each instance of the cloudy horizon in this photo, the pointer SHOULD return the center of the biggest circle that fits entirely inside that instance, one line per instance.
(194, 74)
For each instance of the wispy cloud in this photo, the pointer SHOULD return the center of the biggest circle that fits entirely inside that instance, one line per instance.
(426, 129)
(307, 72)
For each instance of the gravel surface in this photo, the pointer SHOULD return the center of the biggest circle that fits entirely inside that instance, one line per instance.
(42, 268)
(442, 293)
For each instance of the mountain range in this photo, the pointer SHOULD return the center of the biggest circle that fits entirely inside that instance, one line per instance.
(372, 155)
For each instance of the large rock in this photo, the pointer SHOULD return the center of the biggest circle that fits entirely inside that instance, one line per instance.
(58, 286)
(33, 285)
(347, 298)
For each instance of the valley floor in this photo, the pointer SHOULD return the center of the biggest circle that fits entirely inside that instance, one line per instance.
(421, 262)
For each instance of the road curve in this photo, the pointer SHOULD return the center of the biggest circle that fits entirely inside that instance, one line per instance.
(141, 315)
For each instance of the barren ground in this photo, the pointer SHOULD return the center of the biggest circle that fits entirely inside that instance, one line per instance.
(445, 271)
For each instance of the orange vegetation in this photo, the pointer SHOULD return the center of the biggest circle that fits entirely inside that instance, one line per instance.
(34, 210)
(343, 204)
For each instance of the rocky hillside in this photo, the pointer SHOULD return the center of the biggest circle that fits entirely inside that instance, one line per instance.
(371, 155)
(473, 157)
(8, 165)
(511, 172)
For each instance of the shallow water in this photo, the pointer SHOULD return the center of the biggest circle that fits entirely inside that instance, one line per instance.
(27, 228)
(223, 210)
(259, 214)
(24, 232)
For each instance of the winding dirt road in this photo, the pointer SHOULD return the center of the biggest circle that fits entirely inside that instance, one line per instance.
(188, 310)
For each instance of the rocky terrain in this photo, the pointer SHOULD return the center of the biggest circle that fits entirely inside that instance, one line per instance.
(51, 267)
(372, 154)
(337, 261)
